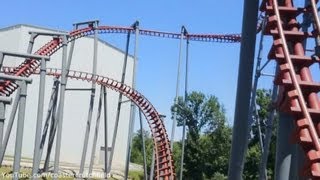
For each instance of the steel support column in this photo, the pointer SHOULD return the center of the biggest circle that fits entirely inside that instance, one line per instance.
(105, 113)
(58, 116)
(185, 101)
(20, 127)
(253, 105)
(174, 120)
(51, 111)
(61, 106)
(1, 59)
(92, 97)
(2, 119)
(264, 156)
(10, 125)
(285, 168)
(240, 126)
(152, 164)
(56, 113)
(96, 132)
(53, 127)
(115, 132)
(31, 42)
(71, 52)
(36, 154)
(132, 105)
(3, 104)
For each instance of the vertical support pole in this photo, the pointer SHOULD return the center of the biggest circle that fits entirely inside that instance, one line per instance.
(143, 147)
(36, 154)
(10, 125)
(53, 126)
(306, 22)
(307, 19)
(152, 165)
(174, 121)
(132, 106)
(31, 43)
(2, 119)
(285, 150)
(240, 127)
(185, 100)
(256, 79)
(14, 107)
(71, 52)
(253, 112)
(95, 138)
(1, 59)
(93, 92)
(259, 130)
(3, 104)
(115, 132)
(51, 110)
(20, 127)
(267, 141)
(56, 112)
(105, 113)
(61, 107)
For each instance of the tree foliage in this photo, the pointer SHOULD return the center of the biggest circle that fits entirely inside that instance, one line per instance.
(208, 138)
(137, 151)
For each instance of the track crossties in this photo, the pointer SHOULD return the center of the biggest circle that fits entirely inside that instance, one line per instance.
(298, 91)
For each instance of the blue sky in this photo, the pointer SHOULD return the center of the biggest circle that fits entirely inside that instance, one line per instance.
(213, 66)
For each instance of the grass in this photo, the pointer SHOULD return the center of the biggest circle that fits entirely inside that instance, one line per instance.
(6, 173)
(136, 175)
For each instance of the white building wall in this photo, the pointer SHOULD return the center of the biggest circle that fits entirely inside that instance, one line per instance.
(110, 62)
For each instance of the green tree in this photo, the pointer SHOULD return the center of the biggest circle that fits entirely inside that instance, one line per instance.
(177, 156)
(136, 150)
(208, 138)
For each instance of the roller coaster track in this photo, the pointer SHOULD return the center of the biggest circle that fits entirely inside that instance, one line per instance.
(30, 65)
(164, 166)
(298, 91)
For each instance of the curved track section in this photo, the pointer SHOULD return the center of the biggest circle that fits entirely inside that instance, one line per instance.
(164, 165)
(225, 38)
(298, 91)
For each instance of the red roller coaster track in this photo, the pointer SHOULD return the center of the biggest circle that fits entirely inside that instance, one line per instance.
(164, 166)
(30, 65)
(298, 90)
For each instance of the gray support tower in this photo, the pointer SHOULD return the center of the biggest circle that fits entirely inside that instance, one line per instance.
(240, 126)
